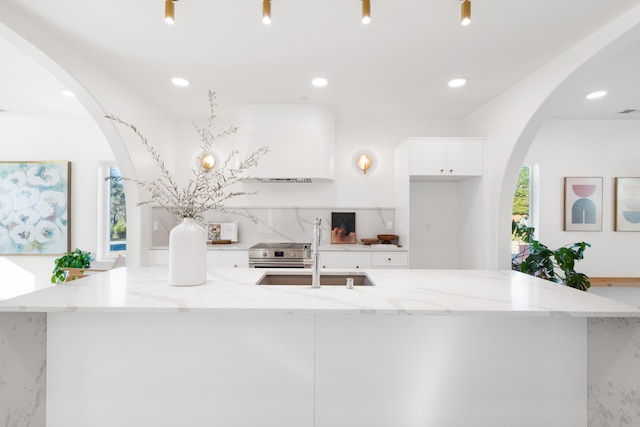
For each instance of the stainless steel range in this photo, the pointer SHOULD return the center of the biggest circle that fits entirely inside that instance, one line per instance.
(280, 255)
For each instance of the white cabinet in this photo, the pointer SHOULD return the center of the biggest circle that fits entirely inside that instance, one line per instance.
(226, 259)
(369, 259)
(215, 259)
(389, 260)
(351, 260)
(446, 158)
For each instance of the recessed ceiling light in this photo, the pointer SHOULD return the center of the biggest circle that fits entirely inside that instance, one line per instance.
(457, 82)
(68, 94)
(179, 81)
(596, 94)
(319, 82)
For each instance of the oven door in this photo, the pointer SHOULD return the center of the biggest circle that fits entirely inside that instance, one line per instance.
(263, 263)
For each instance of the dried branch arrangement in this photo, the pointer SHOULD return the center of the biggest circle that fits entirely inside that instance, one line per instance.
(206, 190)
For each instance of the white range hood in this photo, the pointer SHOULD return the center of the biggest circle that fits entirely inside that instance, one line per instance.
(301, 141)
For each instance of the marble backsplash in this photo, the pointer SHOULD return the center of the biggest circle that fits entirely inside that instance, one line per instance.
(282, 224)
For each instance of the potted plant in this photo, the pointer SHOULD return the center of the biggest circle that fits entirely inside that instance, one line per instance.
(555, 265)
(74, 259)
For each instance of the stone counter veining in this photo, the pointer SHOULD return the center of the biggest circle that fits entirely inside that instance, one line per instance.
(233, 290)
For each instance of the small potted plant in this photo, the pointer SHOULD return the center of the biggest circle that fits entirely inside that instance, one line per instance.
(555, 265)
(74, 259)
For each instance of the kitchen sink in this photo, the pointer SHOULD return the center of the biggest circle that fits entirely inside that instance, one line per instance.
(326, 279)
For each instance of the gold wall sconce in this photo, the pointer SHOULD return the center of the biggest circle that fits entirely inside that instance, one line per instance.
(364, 161)
(207, 161)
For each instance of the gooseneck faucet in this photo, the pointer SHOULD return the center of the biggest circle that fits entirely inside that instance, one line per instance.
(315, 247)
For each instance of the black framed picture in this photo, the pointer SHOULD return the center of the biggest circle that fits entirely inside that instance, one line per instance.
(343, 227)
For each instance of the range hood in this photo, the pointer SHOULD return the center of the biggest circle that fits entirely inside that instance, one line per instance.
(300, 137)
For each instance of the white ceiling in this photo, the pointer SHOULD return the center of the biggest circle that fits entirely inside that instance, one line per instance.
(397, 66)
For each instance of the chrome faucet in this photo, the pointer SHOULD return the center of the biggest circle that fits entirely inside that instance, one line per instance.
(315, 247)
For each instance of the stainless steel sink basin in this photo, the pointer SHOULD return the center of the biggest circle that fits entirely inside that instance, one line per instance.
(326, 279)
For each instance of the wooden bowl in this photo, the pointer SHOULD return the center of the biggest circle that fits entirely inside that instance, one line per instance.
(387, 237)
(369, 241)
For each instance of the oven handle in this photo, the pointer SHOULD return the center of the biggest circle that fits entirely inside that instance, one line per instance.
(277, 264)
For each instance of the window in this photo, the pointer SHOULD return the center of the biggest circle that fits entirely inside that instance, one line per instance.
(525, 203)
(112, 215)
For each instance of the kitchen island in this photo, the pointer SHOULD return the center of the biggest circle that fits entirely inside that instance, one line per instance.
(421, 347)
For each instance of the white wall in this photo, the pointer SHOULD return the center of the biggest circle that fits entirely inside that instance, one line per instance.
(351, 188)
(598, 148)
(77, 140)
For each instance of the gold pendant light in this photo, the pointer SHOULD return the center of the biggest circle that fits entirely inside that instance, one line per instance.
(169, 11)
(366, 11)
(466, 12)
(266, 12)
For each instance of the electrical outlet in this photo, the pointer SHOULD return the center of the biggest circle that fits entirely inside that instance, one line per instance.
(155, 225)
(389, 225)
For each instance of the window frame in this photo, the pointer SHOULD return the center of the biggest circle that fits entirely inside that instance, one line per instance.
(104, 252)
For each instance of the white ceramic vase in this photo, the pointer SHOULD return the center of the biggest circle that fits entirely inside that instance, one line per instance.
(188, 254)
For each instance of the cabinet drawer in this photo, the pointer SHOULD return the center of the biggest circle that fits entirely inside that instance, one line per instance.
(351, 260)
(389, 259)
(227, 259)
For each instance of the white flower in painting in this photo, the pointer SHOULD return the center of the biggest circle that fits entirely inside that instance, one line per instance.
(22, 234)
(27, 216)
(49, 202)
(5, 243)
(6, 206)
(24, 198)
(46, 231)
(13, 181)
(43, 175)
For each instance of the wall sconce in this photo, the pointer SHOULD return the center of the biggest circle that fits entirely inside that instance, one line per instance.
(364, 161)
(207, 161)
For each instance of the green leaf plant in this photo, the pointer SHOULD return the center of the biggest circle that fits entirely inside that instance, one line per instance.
(74, 259)
(555, 265)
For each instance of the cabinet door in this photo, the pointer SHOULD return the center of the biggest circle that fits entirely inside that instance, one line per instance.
(464, 158)
(389, 260)
(351, 260)
(427, 157)
(227, 259)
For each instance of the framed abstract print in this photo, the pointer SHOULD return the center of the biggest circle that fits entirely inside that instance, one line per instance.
(626, 215)
(583, 204)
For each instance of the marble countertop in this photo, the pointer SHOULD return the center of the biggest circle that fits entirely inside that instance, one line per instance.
(323, 247)
(396, 291)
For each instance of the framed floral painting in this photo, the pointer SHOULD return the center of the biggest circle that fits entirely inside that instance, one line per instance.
(627, 204)
(35, 201)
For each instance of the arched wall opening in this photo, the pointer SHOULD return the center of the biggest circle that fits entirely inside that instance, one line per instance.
(512, 121)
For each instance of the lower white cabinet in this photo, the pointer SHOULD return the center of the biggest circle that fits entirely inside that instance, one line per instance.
(351, 260)
(226, 259)
(389, 260)
(357, 260)
(215, 259)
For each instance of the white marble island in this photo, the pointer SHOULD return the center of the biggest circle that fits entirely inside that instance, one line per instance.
(422, 347)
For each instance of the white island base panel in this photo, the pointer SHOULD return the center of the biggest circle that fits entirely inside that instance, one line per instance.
(133, 369)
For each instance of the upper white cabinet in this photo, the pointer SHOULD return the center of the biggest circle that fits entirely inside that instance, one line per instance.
(445, 158)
